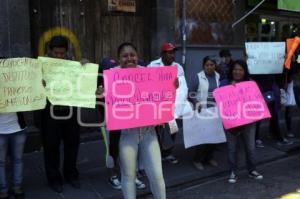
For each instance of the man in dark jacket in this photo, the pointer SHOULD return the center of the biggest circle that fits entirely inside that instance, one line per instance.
(59, 123)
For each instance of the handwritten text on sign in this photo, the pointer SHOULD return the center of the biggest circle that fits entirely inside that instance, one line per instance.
(21, 86)
(139, 97)
(241, 104)
(69, 83)
(265, 57)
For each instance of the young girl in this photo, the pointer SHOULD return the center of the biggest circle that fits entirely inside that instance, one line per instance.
(140, 142)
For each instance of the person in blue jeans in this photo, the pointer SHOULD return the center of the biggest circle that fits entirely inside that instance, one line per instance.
(238, 72)
(12, 139)
(139, 142)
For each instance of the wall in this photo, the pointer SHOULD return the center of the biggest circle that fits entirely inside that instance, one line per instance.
(14, 31)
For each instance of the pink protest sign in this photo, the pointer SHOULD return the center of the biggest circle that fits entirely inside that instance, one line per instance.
(241, 104)
(139, 97)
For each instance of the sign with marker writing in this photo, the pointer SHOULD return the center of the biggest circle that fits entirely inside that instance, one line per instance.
(21, 86)
(139, 97)
(69, 83)
(265, 57)
(240, 104)
(203, 128)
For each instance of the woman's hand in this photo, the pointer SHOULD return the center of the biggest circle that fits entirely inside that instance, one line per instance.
(99, 92)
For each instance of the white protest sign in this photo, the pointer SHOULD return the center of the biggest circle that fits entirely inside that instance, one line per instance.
(265, 57)
(203, 128)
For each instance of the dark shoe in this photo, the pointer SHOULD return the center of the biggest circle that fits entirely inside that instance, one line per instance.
(4, 195)
(198, 165)
(290, 135)
(232, 178)
(285, 142)
(19, 193)
(115, 182)
(171, 159)
(259, 144)
(213, 163)
(57, 187)
(74, 183)
(255, 175)
(139, 184)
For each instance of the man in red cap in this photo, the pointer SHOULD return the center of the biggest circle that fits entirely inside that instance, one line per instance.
(167, 52)
(166, 140)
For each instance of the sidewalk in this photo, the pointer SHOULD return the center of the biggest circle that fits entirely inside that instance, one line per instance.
(94, 176)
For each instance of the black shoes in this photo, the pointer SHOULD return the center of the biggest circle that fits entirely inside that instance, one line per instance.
(57, 187)
(75, 183)
(19, 193)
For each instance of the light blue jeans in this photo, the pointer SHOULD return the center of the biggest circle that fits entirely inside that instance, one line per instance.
(15, 142)
(141, 142)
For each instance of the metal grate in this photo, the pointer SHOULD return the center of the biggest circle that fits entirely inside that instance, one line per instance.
(208, 21)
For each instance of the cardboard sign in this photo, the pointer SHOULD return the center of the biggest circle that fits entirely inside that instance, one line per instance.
(69, 83)
(265, 57)
(21, 86)
(241, 104)
(203, 128)
(139, 97)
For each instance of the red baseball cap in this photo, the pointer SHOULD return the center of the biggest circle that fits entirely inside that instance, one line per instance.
(167, 47)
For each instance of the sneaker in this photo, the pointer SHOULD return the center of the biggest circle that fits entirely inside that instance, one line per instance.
(213, 163)
(255, 175)
(290, 135)
(198, 165)
(171, 159)
(115, 182)
(259, 144)
(139, 184)
(285, 142)
(232, 178)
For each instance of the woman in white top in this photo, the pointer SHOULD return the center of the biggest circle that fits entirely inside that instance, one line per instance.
(12, 139)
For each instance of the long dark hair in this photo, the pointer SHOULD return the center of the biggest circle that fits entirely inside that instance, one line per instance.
(125, 44)
(209, 58)
(244, 65)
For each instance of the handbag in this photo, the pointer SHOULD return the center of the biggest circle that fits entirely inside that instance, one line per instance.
(165, 137)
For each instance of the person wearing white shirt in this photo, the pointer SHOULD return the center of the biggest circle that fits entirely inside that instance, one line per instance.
(168, 59)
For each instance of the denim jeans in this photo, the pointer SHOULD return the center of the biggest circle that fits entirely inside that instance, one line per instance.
(141, 142)
(247, 135)
(15, 143)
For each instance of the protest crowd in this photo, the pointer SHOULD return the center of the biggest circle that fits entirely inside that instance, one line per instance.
(224, 103)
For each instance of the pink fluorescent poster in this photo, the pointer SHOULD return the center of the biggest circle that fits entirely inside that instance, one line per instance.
(137, 97)
(241, 104)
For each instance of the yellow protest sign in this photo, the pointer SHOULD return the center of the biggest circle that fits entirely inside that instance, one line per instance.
(69, 83)
(21, 86)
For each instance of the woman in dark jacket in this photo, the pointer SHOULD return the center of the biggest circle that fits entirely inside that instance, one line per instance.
(238, 72)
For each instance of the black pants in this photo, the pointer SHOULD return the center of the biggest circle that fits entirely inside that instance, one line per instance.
(204, 152)
(288, 118)
(114, 139)
(274, 127)
(53, 133)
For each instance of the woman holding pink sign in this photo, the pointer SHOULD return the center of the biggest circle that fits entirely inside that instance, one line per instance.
(141, 141)
(238, 72)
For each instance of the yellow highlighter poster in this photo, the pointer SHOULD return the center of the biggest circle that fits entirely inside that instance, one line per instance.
(21, 86)
(69, 83)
